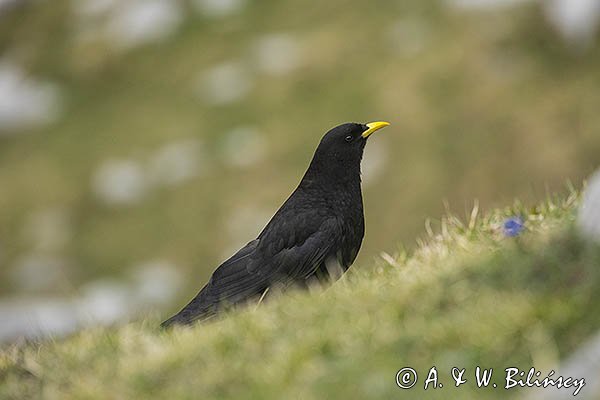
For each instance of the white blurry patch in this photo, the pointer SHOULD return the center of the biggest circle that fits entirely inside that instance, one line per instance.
(224, 83)
(119, 182)
(218, 8)
(105, 302)
(409, 36)
(156, 282)
(244, 146)
(126, 23)
(374, 160)
(7, 4)
(177, 162)
(101, 302)
(47, 230)
(35, 272)
(36, 318)
(588, 219)
(576, 20)
(277, 54)
(25, 103)
(138, 22)
(483, 4)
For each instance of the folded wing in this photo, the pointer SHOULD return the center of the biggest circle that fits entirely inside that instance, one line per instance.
(285, 253)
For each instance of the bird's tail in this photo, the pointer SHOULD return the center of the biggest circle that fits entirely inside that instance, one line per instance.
(199, 309)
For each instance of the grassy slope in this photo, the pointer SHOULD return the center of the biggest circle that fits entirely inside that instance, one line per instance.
(466, 297)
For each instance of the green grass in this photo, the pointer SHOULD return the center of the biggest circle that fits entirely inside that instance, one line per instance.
(467, 296)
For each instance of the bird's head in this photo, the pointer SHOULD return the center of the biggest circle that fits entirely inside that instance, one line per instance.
(340, 151)
(343, 145)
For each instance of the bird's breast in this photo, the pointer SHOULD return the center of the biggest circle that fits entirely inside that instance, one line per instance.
(353, 230)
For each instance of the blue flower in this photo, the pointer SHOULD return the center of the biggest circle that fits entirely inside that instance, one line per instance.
(513, 226)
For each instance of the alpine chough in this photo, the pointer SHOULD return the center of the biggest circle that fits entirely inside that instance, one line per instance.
(315, 235)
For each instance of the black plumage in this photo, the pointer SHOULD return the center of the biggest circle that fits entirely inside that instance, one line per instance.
(316, 234)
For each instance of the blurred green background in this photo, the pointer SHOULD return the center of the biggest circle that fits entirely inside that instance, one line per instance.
(143, 141)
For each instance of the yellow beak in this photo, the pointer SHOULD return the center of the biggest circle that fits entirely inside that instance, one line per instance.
(374, 126)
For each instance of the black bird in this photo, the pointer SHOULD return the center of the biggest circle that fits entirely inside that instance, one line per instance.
(316, 234)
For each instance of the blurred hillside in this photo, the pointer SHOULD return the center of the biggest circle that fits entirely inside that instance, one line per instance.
(143, 141)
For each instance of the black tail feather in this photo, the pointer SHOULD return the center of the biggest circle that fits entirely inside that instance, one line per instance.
(199, 309)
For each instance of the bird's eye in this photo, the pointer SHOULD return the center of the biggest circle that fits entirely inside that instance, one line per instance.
(349, 138)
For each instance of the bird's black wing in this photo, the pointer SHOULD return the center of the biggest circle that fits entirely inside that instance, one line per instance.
(295, 244)
(288, 250)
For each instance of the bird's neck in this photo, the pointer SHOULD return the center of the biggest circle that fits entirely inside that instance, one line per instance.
(328, 178)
